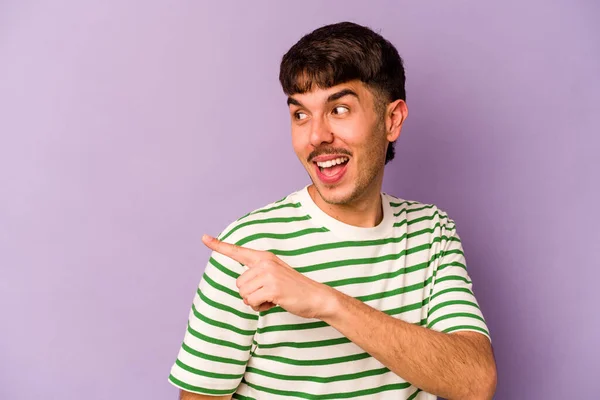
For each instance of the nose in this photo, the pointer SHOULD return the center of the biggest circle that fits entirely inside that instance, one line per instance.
(321, 132)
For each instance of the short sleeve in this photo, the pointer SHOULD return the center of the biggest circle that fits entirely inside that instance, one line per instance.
(219, 336)
(452, 303)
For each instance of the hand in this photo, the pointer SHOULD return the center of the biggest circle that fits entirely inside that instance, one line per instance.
(269, 282)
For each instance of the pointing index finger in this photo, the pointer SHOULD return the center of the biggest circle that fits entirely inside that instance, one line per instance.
(238, 253)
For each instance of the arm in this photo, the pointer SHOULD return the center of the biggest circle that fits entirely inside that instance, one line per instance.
(183, 395)
(455, 366)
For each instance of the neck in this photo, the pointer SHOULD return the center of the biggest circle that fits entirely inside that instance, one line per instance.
(365, 211)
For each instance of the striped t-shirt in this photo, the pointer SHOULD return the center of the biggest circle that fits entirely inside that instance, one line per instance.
(411, 266)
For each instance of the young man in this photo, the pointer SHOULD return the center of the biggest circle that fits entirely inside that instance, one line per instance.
(338, 290)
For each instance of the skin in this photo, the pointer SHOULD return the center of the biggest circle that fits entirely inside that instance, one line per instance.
(324, 123)
(457, 365)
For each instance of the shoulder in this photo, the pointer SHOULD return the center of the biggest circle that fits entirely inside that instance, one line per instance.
(262, 219)
(418, 215)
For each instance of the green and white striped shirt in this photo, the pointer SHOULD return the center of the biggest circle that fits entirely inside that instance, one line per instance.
(411, 266)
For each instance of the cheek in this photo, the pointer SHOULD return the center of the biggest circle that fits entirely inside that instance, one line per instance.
(353, 130)
(300, 144)
(365, 141)
(353, 137)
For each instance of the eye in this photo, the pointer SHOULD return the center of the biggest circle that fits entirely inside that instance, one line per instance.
(300, 115)
(339, 110)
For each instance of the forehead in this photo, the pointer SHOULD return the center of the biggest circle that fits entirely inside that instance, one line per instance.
(318, 96)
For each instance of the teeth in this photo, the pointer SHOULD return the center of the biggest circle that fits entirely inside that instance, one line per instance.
(331, 163)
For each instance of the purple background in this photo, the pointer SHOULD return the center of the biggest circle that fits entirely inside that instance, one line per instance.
(128, 130)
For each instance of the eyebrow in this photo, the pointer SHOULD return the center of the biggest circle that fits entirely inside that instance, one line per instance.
(333, 97)
(293, 101)
(340, 94)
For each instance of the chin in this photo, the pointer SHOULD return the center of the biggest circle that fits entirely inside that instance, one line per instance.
(336, 194)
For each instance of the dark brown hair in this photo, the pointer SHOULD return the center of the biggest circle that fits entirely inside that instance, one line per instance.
(338, 53)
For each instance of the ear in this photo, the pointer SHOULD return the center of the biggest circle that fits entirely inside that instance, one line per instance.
(396, 114)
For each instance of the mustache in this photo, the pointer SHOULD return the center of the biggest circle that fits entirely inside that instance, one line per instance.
(326, 151)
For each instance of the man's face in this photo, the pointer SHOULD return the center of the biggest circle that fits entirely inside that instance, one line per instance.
(340, 139)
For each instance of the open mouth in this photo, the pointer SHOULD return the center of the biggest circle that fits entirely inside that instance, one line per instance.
(332, 167)
(331, 171)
